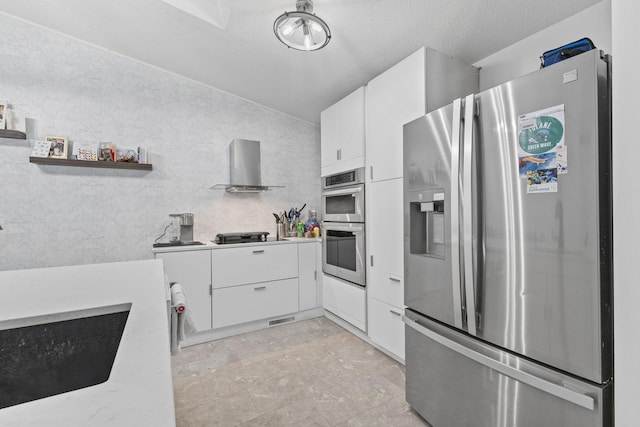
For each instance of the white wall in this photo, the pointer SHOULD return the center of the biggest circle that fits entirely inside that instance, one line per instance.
(55, 215)
(524, 56)
(626, 237)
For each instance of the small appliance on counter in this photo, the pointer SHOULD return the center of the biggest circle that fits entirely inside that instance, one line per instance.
(248, 237)
(180, 231)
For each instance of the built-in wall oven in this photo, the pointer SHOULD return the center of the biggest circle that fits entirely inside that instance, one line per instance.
(343, 245)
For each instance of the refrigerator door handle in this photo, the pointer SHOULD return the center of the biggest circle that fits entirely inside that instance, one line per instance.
(559, 391)
(467, 214)
(455, 212)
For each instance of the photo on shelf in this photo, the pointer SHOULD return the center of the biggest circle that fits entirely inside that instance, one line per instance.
(107, 151)
(59, 147)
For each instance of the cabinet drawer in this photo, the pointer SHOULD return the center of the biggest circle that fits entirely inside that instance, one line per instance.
(386, 327)
(257, 301)
(388, 288)
(345, 300)
(253, 264)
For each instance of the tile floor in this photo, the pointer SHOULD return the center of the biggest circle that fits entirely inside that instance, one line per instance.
(308, 373)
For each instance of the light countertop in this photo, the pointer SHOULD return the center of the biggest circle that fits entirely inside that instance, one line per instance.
(208, 245)
(139, 390)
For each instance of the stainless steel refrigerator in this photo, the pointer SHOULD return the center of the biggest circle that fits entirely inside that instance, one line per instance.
(508, 263)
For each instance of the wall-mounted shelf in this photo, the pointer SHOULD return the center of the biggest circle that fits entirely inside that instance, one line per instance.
(90, 164)
(15, 134)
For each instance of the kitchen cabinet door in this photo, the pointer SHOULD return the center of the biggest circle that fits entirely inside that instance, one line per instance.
(424, 81)
(386, 241)
(192, 269)
(307, 276)
(386, 327)
(342, 134)
(394, 98)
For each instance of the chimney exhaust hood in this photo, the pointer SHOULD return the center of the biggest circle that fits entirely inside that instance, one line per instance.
(244, 168)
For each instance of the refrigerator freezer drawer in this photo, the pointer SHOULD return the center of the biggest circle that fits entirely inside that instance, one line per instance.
(456, 380)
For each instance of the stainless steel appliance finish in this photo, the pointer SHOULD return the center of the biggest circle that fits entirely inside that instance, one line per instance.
(244, 168)
(343, 197)
(343, 251)
(343, 242)
(476, 385)
(524, 277)
(245, 163)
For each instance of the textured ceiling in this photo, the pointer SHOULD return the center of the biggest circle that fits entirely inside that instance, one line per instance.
(231, 45)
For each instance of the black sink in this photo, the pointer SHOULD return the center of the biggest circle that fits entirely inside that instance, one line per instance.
(53, 354)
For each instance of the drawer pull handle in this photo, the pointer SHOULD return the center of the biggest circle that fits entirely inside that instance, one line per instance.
(261, 251)
(260, 288)
(395, 312)
(393, 279)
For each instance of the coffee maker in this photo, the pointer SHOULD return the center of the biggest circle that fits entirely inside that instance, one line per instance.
(182, 228)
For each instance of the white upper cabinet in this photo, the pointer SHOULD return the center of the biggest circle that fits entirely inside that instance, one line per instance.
(394, 98)
(342, 134)
(424, 81)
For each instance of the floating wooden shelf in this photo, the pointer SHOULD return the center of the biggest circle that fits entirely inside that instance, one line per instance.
(15, 134)
(90, 164)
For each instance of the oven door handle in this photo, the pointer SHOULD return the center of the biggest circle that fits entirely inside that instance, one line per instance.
(356, 228)
(356, 189)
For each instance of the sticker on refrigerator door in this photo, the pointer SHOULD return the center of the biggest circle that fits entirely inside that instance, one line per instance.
(541, 141)
(542, 181)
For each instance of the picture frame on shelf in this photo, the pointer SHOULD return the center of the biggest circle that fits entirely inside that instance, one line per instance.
(107, 151)
(41, 149)
(84, 151)
(59, 147)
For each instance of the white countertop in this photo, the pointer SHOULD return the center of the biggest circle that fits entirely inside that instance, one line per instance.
(208, 245)
(139, 391)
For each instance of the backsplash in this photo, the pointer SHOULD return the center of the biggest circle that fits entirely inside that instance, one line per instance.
(54, 215)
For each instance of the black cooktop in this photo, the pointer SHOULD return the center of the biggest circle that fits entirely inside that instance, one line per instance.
(176, 243)
(248, 237)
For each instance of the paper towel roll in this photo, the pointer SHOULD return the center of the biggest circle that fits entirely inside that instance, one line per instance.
(178, 299)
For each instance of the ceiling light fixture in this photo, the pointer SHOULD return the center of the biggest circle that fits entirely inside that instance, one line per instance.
(302, 29)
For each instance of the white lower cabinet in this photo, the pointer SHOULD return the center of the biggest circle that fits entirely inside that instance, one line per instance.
(386, 327)
(253, 264)
(192, 269)
(345, 300)
(239, 304)
(385, 278)
(308, 276)
(228, 286)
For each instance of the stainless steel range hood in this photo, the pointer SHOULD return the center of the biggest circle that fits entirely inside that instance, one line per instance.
(244, 168)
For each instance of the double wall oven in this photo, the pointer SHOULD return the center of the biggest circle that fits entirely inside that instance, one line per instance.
(343, 246)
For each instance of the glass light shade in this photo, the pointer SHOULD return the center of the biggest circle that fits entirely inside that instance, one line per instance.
(302, 31)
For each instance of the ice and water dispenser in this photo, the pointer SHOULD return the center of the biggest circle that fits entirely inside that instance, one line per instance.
(427, 222)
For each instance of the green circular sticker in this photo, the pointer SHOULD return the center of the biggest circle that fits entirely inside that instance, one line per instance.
(542, 137)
